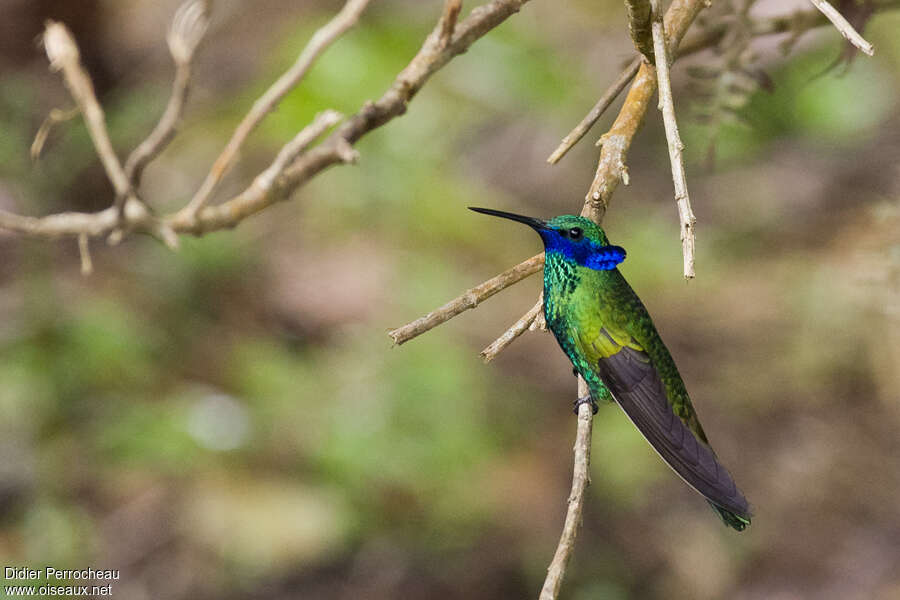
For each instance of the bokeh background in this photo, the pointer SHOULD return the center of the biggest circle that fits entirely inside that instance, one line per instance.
(230, 421)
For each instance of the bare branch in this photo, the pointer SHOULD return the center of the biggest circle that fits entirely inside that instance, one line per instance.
(616, 142)
(76, 223)
(448, 20)
(188, 28)
(581, 479)
(795, 22)
(667, 106)
(517, 329)
(297, 146)
(64, 56)
(843, 26)
(603, 103)
(84, 250)
(56, 116)
(430, 58)
(638, 13)
(337, 149)
(470, 299)
(321, 39)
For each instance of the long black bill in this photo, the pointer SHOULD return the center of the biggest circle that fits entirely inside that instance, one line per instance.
(530, 221)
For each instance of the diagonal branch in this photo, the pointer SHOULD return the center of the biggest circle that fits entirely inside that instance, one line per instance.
(843, 26)
(611, 93)
(64, 56)
(321, 39)
(469, 299)
(524, 324)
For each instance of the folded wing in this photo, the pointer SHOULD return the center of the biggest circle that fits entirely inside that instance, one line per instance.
(638, 389)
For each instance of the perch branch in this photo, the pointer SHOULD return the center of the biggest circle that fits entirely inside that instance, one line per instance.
(469, 299)
(188, 28)
(581, 479)
(843, 26)
(321, 39)
(673, 139)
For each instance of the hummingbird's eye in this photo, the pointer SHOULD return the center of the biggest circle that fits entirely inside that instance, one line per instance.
(575, 233)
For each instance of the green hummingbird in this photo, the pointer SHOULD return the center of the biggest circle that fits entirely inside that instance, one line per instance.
(607, 333)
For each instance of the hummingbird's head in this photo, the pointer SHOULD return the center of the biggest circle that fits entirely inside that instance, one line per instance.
(572, 238)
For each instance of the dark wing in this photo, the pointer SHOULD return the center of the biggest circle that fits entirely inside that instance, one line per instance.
(639, 390)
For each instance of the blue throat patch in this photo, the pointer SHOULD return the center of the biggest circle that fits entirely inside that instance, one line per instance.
(583, 252)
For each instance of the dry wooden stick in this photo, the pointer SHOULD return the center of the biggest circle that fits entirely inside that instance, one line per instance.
(84, 251)
(469, 299)
(581, 479)
(448, 20)
(430, 58)
(673, 139)
(321, 39)
(293, 149)
(844, 26)
(517, 329)
(188, 28)
(615, 143)
(64, 56)
(56, 116)
(337, 149)
(611, 93)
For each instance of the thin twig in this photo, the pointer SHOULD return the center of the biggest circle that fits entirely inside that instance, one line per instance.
(188, 28)
(56, 116)
(638, 13)
(581, 479)
(796, 22)
(673, 139)
(844, 26)
(429, 59)
(470, 299)
(321, 39)
(448, 20)
(517, 329)
(64, 56)
(297, 146)
(84, 251)
(336, 149)
(611, 93)
(611, 166)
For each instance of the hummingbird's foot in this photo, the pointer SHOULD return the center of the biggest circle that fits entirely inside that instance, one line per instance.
(574, 371)
(585, 400)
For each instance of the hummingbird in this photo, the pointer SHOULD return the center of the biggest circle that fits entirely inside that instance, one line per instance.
(607, 333)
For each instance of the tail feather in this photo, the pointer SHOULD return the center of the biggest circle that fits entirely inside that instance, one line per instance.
(731, 519)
